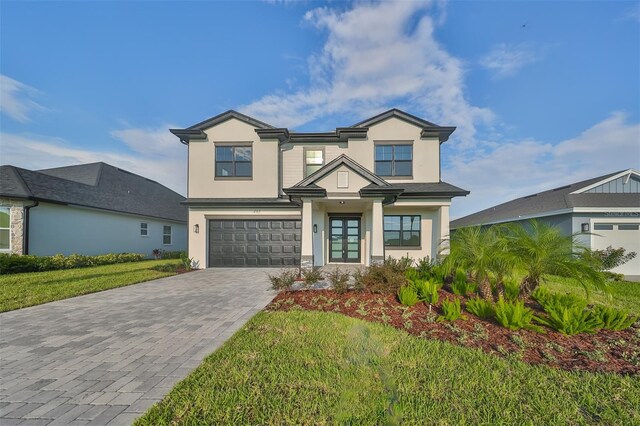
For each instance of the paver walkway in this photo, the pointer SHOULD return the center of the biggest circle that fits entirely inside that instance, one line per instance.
(106, 357)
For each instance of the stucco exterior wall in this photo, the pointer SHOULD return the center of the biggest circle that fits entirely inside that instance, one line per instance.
(202, 180)
(16, 225)
(67, 230)
(293, 159)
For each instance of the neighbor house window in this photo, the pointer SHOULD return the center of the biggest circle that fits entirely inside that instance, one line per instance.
(233, 161)
(402, 231)
(394, 160)
(313, 161)
(166, 235)
(144, 229)
(5, 229)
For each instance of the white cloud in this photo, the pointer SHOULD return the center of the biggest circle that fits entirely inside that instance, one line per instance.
(631, 13)
(16, 99)
(519, 168)
(152, 154)
(377, 55)
(507, 59)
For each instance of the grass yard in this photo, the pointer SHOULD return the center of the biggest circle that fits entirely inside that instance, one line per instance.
(34, 288)
(324, 368)
(624, 294)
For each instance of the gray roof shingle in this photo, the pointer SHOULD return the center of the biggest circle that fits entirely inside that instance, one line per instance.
(549, 201)
(96, 185)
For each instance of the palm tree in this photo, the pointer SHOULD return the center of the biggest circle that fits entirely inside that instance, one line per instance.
(541, 249)
(480, 252)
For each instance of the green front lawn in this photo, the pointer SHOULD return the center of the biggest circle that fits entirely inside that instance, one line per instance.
(34, 288)
(624, 294)
(323, 368)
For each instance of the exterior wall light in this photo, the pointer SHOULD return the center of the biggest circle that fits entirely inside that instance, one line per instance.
(196, 228)
(585, 227)
(315, 228)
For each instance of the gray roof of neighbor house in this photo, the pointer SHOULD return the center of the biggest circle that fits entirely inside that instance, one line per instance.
(96, 185)
(542, 203)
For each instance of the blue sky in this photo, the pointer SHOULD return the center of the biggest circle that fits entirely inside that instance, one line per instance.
(543, 93)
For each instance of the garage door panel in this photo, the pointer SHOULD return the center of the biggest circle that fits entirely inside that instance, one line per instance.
(257, 243)
(619, 234)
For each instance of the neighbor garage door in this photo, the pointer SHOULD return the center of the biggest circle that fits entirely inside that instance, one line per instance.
(265, 243)
(619, 234)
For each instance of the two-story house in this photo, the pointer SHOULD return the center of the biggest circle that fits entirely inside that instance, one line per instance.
(259, 195)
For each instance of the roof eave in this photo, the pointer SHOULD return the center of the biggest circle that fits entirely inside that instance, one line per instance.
(187, 135)
(442, 133)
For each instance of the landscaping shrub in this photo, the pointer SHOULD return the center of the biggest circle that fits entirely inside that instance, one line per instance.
(358, 282)
(385, 279)
(614, 319)
(284, 280)
(511, 289)
(480, 308)
(311, 276)
(451, 310)
(165, 254)
(545, 298)
(427, 290)
(13, 263)
(398, 265)
(514, 315)
(167, 267)
(339, 280)
(408, 296)
(570, 320)
(460, 285)
(610, 257)
(412, 274)
(185, 261)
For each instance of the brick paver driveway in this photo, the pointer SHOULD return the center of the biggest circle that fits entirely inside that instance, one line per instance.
(106, 357)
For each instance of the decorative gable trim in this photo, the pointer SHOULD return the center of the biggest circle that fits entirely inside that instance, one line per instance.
(625, 173)
(335, 164)
(429, 129)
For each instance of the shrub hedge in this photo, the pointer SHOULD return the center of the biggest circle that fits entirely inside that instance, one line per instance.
(14, 264)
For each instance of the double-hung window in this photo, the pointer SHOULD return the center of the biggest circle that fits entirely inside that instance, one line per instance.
(234, 161)
(144, 229)
(166, 235)
(313, 161)
(402, 231)
(5, 229)
(394, 160)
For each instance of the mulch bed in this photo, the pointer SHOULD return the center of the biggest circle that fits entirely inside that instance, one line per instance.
(605, 351)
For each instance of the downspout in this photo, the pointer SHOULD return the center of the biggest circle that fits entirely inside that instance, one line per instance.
(25, 227)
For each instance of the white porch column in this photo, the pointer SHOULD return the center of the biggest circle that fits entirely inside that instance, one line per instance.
(306, 256)
(443, 242)
(377, 233)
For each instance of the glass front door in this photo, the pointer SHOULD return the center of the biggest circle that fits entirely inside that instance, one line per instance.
(344, 239)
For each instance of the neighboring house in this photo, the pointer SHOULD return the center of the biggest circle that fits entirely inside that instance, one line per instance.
(87, 209)
(605, 208)
(265, 196)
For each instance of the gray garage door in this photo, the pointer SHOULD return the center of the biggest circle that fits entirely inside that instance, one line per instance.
(265, 243)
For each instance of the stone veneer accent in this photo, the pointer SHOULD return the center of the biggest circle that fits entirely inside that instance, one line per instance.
(17, 223)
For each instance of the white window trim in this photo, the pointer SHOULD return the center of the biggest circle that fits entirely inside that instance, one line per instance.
(170, 234)
(9, 229)
(147, 229)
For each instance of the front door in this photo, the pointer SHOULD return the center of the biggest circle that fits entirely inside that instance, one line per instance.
(345, 239)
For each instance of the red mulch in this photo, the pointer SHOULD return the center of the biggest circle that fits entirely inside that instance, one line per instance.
(607, 351)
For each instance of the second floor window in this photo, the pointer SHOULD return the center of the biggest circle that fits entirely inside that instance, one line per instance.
(394, 160)
(233, 161)
(313, 161)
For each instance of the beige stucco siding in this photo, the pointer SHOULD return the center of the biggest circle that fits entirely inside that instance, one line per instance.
(202, 181)
(354, 182)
